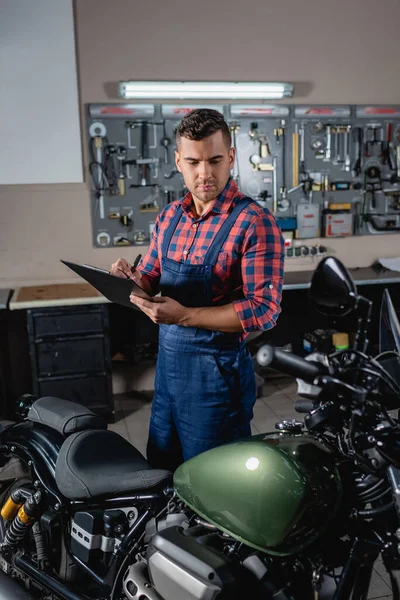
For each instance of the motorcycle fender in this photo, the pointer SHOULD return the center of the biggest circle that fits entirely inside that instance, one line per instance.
(36, 446)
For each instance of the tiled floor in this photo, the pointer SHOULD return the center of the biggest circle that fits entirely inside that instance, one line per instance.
(277, 402)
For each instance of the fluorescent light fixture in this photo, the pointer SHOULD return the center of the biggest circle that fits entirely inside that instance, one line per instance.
(196, 90)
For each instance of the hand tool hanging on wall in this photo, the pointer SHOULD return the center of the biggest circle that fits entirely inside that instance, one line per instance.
(143, 167)
(142, 161)
(358, 134)
(336, 158)
(165, 143)
(126, 221)
(308, 188)
(387, 148)
(121, 240)
(264, 149)
(346, 151)
(110, 170)
(373, 183)
(328, 149)
(152, 202)
(280, 137)
(234, 128)
(263, 197)
(253, 133)
(121, 155)
(275, 186)
(98, 133)
(317, 127)
(303, 173)
(284, 202)
(394, 197)
(398, 161)
(170, 196)
(316, 144)
(295, 157)
(373, 143)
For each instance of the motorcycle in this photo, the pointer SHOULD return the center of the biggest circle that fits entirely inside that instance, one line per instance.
(301, 513)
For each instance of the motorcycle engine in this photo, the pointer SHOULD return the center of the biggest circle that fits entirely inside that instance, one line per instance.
(186, 561)
(96, 533)
(182, 568)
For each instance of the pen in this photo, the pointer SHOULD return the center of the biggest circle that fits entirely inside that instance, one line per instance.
(135, 264)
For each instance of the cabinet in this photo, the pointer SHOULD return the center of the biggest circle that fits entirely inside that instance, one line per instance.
(70, 355)
(6, 408)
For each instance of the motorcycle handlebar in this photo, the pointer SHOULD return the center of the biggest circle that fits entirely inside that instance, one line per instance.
(269, 356)
(303, 406)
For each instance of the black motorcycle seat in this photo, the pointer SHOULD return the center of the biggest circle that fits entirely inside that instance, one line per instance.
(102, 463)
(64, 416)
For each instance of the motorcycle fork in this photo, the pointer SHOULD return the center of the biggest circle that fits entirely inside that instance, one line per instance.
(356, 577)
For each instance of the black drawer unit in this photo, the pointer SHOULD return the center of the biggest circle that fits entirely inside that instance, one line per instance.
(70, 355)
(6, 408)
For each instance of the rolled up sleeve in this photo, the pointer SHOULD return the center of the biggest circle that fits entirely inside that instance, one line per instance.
(150, 264)
(262, 275)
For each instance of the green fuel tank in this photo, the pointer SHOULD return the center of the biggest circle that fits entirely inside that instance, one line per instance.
(274, 492)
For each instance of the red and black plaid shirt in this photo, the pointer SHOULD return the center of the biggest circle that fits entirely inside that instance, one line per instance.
(249, 269)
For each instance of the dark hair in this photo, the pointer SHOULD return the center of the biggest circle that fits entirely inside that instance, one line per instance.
(201, 123)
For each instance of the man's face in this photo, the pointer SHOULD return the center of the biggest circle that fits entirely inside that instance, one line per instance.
(205, 165)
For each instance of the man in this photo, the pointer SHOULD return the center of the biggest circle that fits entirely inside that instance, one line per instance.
(217, 258)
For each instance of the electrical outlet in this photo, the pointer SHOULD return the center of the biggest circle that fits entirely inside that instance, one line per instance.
(305, 251)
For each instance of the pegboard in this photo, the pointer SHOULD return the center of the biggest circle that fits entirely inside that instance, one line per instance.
(322, 170)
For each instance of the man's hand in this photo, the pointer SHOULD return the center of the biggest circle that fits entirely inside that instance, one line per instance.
(166, 311)
(123, 269)
(161, 310)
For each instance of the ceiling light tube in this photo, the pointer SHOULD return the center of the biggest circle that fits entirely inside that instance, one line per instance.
(189, 90)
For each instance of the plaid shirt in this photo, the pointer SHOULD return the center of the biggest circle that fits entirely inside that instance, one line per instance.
(249, 270)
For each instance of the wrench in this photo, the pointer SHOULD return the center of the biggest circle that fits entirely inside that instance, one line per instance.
(398, 160)
(275, 186)
(336, 159)
(328, 152)
(347, 151)
(302, 165)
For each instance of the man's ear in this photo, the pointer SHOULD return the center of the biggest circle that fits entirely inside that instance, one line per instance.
(232, 154)
(178, 161)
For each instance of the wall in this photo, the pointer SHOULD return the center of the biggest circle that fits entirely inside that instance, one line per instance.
(343, 52)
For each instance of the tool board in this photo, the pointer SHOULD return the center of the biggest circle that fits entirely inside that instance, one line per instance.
(324, 171)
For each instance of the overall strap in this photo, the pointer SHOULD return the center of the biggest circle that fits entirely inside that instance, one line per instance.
(170, 231)
(211, 257)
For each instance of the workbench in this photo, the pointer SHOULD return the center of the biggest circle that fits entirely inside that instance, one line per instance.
(74, 294)
(296, 317)
(300, 280)
(64, 294)
(67, 329)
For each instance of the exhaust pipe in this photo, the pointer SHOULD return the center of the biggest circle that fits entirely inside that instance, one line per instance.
(10, 589)
(53, 584)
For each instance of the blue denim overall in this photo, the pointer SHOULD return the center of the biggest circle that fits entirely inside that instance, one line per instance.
(205, 385)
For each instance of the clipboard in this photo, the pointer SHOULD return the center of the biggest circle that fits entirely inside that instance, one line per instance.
(116, 289)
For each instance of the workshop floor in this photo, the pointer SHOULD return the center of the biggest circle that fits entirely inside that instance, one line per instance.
(132, 414)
